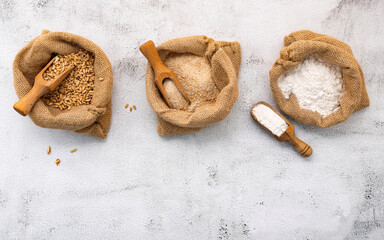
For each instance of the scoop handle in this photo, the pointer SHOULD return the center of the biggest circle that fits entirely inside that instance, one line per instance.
(148, 49)
(26, 103)
(301, 147)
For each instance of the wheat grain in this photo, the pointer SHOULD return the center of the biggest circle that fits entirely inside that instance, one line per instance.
(77, 88)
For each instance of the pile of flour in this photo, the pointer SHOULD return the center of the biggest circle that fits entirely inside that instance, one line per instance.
(195, 76)
(316, 83)
(175, 97)
(270, 119)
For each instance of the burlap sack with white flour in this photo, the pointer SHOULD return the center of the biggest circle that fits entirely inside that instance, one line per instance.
(93, 119)
(300, 44)
(224, 58)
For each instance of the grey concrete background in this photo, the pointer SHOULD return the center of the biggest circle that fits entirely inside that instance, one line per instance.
(229, 181)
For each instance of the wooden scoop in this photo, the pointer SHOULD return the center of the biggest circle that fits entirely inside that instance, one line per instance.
(148, 49)
(39, 89)
(289, 135)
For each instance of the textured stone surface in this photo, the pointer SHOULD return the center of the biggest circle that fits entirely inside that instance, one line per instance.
(229, 181)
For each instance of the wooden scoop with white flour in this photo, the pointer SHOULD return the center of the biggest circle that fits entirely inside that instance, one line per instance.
(279, 127)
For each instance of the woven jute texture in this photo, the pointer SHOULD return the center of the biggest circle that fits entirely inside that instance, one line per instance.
(93, 119)
(300, 44)
(224, 57)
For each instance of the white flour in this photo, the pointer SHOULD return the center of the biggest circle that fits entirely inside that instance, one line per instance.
(270, 119)
(317, 85)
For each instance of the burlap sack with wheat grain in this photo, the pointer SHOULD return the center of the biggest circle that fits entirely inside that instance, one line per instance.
(224, 58)
(300, 44)
(93, 119)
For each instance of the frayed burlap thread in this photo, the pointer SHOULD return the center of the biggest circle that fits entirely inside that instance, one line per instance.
(93, 119)
(225, 59)
(300, 44)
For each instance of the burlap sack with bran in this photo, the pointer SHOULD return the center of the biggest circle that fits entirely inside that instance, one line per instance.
(93, 119)
(300, 44)
(225, 59)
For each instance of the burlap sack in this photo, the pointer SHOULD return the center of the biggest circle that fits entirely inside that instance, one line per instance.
(93, 119)
(225, 58)
(296, 47)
